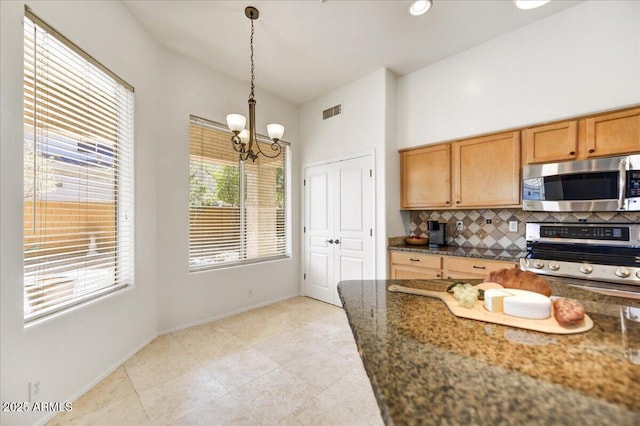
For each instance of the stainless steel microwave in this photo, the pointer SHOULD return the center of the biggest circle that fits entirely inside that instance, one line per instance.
(600, 184)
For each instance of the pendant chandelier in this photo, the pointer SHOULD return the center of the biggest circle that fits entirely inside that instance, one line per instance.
(245, 141)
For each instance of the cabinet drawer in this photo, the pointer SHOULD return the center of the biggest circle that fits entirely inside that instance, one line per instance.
(478, 267)
(415, 259)
(401, 272)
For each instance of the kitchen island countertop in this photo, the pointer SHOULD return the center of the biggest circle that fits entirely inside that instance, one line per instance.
(427, 366)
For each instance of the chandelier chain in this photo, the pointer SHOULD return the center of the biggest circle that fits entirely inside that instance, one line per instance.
(244, 142)
(253, 77)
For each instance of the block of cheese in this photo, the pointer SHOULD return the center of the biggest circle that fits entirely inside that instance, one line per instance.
(518, 303)
(494, 299)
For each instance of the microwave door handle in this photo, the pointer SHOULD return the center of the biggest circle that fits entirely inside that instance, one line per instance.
(622, 183)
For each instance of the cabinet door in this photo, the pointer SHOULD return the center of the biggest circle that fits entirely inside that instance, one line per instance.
(486, 171)
(612, 134)
(426, 177)
(553, 142)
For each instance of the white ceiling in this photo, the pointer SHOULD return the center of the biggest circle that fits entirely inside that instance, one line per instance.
(304, 49)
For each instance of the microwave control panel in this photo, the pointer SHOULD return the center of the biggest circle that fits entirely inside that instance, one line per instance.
(633, 183)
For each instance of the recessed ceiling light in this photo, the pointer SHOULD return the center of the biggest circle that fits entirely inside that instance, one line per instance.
(419, 7)
(530, 4)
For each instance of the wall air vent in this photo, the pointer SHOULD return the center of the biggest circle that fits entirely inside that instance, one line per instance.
(330, 112)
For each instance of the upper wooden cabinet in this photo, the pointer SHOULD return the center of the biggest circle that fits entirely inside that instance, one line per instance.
(479, 172)
(612, 134)
(601, 135)
(426, 177)
(486, 171)
(553, 142)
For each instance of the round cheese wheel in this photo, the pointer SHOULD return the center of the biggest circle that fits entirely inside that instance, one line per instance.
(518, 303)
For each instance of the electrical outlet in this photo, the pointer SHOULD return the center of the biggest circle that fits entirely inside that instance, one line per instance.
(513, 226)
(34, 390)
(459, 225)
(488, 221)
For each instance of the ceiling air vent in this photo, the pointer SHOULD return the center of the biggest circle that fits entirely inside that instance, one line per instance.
(330, 112)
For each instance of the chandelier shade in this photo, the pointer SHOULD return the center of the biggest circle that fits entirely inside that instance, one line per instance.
(236, 122)
(275, 131)
(244, 141)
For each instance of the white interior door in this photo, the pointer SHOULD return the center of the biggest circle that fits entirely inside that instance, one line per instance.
(318, 228)
(338, 226)
(353, 224)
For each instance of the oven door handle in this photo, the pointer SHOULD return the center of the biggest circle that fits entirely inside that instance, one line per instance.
(622, 183)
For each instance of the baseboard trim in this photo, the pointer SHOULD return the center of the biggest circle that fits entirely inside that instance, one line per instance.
(229, 314)
(100, 378)
(42, 421)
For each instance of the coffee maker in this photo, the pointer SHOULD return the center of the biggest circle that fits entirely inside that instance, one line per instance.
(437, 233)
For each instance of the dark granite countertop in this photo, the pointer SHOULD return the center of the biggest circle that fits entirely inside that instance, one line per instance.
(480, 253)
(427, 366)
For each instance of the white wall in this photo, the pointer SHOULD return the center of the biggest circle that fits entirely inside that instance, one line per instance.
(394, 221)
(189, 298)
(363, 126)
(70, 352)
(581, 60)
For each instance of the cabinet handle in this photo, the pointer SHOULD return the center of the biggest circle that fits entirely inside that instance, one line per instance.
(329, 241)
(446, 202)
(337, 241)
(591, 151)
(479, 267)
(437, 275)
(458, 202)
(414, 260)
(572, 153)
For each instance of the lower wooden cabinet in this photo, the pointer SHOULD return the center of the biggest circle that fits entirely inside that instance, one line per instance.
(416, 266)
(467, 267)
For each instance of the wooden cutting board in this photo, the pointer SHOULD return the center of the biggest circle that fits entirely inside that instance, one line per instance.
(478, 312)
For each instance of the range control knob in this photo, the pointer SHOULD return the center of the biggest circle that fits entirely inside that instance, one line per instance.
(585, 268)
(554, 266)
(638, 275)
(623, 272)
(538, 264)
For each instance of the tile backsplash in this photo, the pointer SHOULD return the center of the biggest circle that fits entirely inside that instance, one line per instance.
(489, 228)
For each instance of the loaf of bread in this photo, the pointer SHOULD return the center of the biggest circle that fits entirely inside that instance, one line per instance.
(568, 312)
(523, 280)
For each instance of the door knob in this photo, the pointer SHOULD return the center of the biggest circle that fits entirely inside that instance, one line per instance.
(329, 241)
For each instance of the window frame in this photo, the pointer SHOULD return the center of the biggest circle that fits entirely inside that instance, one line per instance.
(107, 160)
(286, 252)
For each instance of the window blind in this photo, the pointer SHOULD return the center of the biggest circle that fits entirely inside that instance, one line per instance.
(78, 174)
(239, 211)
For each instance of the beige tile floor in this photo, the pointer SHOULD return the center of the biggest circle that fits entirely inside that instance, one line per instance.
(291, 363)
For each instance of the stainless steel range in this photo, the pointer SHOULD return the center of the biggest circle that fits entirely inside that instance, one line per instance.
(592, 251)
